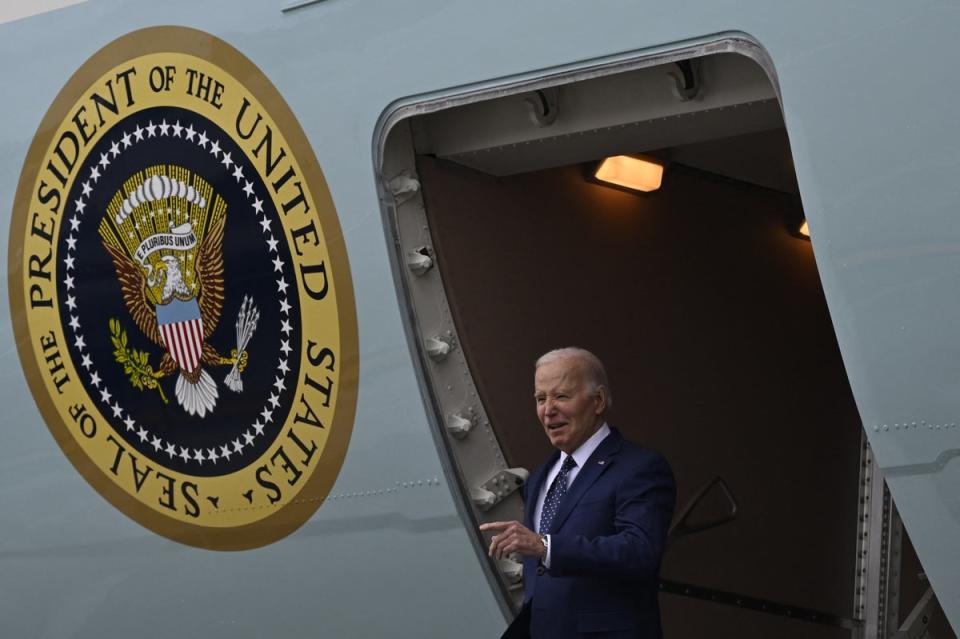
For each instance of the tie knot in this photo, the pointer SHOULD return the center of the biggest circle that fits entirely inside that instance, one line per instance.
(568, 464)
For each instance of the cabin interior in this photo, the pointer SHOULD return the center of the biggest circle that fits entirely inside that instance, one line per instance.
(703, 299)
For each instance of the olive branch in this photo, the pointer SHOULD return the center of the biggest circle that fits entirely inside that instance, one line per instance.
(135, 363)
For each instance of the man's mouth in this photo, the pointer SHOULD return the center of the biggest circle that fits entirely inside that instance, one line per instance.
(555, 426)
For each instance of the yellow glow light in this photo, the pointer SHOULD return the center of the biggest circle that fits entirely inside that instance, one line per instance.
(804, 229)
(630, 172)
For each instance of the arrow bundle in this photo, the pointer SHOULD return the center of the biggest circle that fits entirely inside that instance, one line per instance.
(247, 320)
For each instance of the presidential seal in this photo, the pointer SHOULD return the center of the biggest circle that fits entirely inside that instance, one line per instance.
(180, 293)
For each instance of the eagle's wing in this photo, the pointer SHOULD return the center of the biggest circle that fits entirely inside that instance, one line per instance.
(133, 286)
(210, 278)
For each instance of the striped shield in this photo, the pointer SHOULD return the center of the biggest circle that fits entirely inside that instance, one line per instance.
(182, 330)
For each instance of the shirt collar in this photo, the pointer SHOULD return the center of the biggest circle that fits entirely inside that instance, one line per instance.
(582, 454)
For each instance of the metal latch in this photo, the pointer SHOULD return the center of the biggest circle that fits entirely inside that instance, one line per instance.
(498, 487)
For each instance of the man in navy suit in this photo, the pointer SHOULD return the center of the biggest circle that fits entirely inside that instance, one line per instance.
(596, 515)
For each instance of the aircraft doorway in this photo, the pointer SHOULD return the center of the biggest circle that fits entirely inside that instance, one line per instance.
(702, 298)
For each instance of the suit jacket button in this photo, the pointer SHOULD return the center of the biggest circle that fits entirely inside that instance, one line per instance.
(541, 570)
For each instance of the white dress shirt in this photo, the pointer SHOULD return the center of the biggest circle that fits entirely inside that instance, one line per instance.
(580, 455)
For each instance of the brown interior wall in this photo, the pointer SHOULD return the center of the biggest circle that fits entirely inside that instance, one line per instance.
(712, 323)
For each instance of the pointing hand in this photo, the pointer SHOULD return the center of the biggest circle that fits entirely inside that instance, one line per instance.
(514, 537)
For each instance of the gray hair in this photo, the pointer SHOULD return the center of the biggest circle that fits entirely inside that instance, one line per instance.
(592, 366)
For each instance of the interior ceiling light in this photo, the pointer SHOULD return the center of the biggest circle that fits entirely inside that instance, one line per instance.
(804, 229)
(631, 172)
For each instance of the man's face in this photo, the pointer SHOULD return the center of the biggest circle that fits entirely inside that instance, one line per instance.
(569, 411)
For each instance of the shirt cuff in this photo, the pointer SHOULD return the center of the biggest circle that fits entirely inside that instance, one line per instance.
(546, 557)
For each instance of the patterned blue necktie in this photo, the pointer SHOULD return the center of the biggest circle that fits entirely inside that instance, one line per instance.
(557, 490)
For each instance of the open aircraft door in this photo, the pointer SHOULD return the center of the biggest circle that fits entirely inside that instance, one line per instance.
(703, 298)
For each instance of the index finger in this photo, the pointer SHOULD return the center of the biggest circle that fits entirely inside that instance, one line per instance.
(496, 525)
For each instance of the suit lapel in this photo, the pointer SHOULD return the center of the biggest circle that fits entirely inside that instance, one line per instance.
(598, 463)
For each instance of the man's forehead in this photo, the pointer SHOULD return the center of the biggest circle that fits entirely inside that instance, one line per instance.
(564, 372)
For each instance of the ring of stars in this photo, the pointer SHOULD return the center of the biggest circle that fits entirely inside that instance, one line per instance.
(200, 138)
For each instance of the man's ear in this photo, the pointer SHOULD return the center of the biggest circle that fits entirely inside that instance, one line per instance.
(601, 400)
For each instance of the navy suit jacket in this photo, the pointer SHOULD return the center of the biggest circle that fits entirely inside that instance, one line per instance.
(605, 546)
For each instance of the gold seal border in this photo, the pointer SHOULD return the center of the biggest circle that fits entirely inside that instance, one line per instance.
(289, 516)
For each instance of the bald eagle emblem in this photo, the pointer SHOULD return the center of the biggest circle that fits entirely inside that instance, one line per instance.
(164, 232)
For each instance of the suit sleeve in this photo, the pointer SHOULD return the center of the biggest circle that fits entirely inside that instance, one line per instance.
(644, 505)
